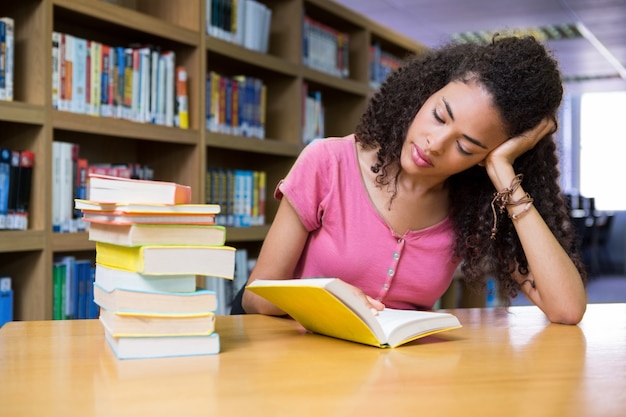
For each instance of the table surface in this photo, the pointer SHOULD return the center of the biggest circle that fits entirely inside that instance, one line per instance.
(501, 363)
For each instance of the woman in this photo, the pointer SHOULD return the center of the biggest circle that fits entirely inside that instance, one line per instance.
(452, 162)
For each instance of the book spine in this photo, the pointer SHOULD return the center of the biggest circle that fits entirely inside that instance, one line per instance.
(160, 99)
(9, 53)
(62, 104)
(170, 78)
(6, 300)
(11, 216)
(128, 84)
(5, 181)
(145, 72)
(105, 80)
(154, 80)
(96, 78)
(88, 77)
(182, 106)
(79, 76)
(24, 186)
(120, 82)
(55, 69)
(3, 57)
(135, 91)
(69, 72)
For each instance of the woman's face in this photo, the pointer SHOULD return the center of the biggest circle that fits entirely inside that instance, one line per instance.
(454, 130)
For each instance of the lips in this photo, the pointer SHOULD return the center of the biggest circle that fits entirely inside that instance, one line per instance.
(420, 158)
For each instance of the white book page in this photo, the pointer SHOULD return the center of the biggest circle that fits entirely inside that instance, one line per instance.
(401, 324)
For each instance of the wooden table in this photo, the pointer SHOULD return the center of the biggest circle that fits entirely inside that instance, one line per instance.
(499, 364)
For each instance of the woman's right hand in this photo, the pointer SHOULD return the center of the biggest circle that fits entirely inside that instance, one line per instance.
(372, 304)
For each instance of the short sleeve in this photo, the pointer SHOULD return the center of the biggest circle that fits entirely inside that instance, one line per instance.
(308, 183)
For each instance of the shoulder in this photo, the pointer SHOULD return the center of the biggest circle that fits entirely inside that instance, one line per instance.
(329, 150)
(331, 144)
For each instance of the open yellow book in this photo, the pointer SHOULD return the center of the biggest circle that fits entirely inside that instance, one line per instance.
(329, 306)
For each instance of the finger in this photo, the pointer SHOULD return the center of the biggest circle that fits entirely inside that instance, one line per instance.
(544, 127)
(374, 305)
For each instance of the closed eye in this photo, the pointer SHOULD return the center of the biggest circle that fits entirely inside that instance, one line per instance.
(461, 149)
(436, 116)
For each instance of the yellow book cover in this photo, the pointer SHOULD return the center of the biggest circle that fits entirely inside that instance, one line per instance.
(216, 261)
(329, 306)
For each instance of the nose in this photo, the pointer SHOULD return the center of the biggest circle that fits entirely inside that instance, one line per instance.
(436, 143)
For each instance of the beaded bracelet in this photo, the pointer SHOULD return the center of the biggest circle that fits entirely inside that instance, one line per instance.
(529, 202)
(502, 199)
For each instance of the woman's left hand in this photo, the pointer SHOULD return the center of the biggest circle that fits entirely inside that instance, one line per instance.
(511, 149)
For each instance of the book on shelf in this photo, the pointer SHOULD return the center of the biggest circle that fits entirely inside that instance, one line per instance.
(138, 234)
(109, 279)
(182, 99)
(72, 289)
(7, 61)
(312, 114)
(6, 300)
(243, 22)
(217, 261)
(23, 189)
(5, 185)
(63, 160)
(240, 193)
(124, 324)
(235, 105)
(79, 76)
(330, 307)
(132, 301)
(325, 48)
(141, 347)
(15, 183)
(125, 82)
(107, 188)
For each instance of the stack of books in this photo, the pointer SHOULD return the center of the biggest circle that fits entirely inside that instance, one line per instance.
(151, 246)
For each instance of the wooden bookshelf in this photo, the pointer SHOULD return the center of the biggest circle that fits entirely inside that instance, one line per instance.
(180, 155)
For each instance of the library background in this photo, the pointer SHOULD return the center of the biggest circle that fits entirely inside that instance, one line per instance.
(205, 93)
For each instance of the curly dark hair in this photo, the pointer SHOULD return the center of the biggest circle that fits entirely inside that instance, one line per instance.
(525, 84)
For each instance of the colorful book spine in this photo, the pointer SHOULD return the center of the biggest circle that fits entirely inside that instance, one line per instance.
(182, 99)
(6, 300)
(7, 40)
(5, 185)
(23, 189)
(56, 76)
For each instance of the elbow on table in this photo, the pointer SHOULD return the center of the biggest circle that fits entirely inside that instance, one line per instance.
(571, 315)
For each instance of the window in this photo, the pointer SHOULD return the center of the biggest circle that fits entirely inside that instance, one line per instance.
(603, 149)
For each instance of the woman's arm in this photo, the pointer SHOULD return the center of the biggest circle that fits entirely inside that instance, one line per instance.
(279, 256)
(553, 284)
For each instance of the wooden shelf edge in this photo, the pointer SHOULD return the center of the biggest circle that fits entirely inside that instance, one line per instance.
(249, 56)
(122, 15)
(341, 84)
(21, 241)
(122, 128)
(69, 242)
(246, 234)
(261, 146)
(14, 111)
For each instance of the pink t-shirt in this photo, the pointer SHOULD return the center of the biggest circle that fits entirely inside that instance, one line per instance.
(350, 240)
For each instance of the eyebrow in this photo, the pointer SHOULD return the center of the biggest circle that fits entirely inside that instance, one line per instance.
(451, 114)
